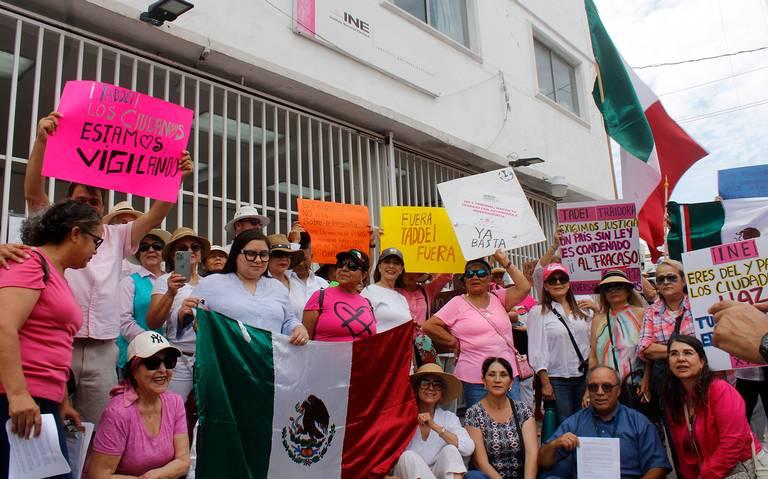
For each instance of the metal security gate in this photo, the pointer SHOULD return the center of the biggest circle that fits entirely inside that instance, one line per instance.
(248, 149)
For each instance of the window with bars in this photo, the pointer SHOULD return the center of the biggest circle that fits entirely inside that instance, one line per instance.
(446, 16)
(557, 77)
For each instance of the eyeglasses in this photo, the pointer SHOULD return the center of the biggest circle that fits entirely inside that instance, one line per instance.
(480, 273)
(350, 265)
(157, 246)
(97, 240)
(152, 363)
(558, 280)
(195, 247)
(251, 255)
(607, 387)
(249, 221)
(668, 278)
(431, 384)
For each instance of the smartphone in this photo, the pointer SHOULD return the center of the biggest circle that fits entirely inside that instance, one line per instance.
(182, 265)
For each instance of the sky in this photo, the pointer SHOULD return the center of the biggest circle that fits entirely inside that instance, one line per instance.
(722, 103)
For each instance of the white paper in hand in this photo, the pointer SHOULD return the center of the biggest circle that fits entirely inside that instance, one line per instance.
(490, 211)
(37, 457)
(598, 458)
(77, 448)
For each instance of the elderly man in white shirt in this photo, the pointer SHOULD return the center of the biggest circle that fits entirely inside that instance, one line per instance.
(302, 279)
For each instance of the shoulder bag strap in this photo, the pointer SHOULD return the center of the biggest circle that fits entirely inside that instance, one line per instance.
(493, 325)
(610, 338)
(689, 425)
(570, 335)
(426, 300)
(517, 424)
(44, 264)
(320, 299)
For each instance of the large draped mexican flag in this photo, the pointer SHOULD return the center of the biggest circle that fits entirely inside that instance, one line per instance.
(654, 148)
(269, 409)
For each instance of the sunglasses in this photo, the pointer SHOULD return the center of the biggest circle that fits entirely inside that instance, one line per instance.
(157, 246)
(349, 264)
(195, 247)
(250, 221)
(669, 278)
(607, 387)
(251, 255)
(480, 273)
(431, 384)
(152, 363)
(613, 287)
(97, 240)
(280, 254)
(558, 280)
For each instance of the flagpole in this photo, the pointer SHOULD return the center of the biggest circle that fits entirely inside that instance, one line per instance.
(607, 137)
(665, 223)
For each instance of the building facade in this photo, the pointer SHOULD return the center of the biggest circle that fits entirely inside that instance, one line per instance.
(370, 102)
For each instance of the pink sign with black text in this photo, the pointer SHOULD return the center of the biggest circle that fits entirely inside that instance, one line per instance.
(118, 139)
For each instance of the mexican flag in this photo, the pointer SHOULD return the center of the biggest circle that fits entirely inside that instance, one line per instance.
(269, 409)
(653, 146)
(702, 225)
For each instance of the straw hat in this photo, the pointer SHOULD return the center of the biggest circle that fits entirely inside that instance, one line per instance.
(452, 384)
(244, 213)
(184, 232)
(121, 208)
(162, 234)
(613, 276)
(278, 242)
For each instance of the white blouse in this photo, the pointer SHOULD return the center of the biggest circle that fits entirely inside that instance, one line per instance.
(549, 346)
(429, 449)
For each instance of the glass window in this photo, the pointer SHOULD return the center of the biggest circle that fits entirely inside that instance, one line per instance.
(557, 77)
(447, 16)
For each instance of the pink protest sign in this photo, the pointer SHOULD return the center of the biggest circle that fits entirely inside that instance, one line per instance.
(118, 139)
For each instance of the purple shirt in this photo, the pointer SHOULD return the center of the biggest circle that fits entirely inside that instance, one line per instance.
(95, 287)
(121, 432)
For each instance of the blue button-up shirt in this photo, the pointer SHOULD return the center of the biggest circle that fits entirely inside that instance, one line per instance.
(640, 446)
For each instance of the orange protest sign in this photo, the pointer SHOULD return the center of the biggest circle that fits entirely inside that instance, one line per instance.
(334, 227)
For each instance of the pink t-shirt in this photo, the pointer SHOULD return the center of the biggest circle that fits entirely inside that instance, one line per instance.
(95, 286)
(45, 339)
(344, 316)
(417, 303)
(478, 340)
(121, 432)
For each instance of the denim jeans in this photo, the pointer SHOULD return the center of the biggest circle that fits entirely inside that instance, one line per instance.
(473, 393)
(46, 407)
(568, 395)
(474, 474)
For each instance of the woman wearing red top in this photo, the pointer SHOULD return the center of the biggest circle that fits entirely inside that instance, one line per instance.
(707, 424)
(40, 318)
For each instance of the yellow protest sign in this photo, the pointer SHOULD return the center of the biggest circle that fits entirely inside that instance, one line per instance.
(425, 236)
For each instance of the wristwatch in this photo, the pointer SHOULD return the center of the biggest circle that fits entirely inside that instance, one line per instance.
(764, 347)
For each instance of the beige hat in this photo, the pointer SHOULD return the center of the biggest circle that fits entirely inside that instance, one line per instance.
(452, 384)
(162, 234)
(243, 213)
(121, 208)
(613, 276)
(148, 344)
(218, 248)
(280, 243)
(185, 232)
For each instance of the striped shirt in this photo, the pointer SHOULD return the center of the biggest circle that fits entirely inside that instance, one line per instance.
(659, 324)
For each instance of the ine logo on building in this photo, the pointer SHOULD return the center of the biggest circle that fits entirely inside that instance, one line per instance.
(349, 20)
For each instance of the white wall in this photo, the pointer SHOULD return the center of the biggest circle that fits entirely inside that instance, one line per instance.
(469, 109)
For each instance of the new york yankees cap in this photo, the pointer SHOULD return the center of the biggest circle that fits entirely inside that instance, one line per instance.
(148, 344)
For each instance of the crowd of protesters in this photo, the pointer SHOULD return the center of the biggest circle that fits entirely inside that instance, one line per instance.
(616, 364)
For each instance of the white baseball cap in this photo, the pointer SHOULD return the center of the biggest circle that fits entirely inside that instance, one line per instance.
(243, 213)
(148, 344)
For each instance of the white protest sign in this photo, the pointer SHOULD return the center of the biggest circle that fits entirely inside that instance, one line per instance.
(598, 236)
(734, 271)
(490, 211)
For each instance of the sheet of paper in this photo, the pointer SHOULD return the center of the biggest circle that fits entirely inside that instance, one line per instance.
(37, 457)
(598, 458)
(77, 447)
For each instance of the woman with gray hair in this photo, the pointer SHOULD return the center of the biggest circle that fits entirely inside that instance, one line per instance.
(668, 317)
